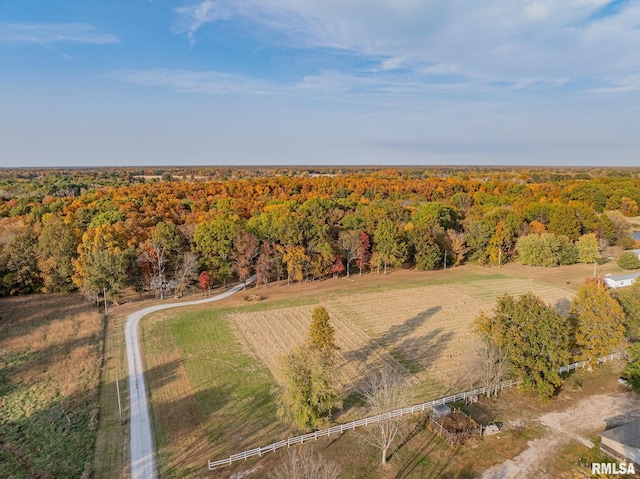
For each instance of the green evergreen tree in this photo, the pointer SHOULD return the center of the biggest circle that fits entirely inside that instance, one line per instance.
(321, 333)
(309, 393)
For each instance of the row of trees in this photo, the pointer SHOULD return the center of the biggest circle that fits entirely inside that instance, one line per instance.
(153, 237)
(532, 340)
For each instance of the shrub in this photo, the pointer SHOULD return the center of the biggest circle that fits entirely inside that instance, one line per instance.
(628, 260)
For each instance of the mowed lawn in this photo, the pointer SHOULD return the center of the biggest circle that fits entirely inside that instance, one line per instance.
(213, 370)
(210, 398)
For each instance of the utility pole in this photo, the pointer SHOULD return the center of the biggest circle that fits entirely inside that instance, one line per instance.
(119, 403)
(104, 290)
(445, 259)
(500, 257)
(595, 263)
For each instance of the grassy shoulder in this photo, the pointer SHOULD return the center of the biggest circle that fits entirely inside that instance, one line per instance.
(210, 398)
(50, 356)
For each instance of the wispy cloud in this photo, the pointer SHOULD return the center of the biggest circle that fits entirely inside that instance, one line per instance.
(333, 85)
(195, 82)
(47, 33)
(552, 41)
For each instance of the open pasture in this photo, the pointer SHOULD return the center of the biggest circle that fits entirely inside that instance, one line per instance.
(50, 352)
(423, 332)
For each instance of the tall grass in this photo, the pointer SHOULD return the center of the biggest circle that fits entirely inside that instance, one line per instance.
(50, 353)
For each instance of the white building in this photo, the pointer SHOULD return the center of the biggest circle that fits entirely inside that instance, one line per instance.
(622, 442)
(620, 280)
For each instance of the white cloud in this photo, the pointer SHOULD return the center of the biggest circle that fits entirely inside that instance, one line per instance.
(46, 33)
(499, 40)
(196, 82)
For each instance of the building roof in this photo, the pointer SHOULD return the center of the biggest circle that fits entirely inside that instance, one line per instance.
(628, 434)
(441, 410)
(621, 277)
(636, 251)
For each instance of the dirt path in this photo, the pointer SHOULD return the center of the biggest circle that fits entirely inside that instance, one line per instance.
(585, 418)
(141, 442)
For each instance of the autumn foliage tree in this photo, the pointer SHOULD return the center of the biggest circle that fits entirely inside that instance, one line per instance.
(532, 336)
(264, 264)
(245, 250)
(57, 248)
(364, 252)
(598, 321)
(391, 248)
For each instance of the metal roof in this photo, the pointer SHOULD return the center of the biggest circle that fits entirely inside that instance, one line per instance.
(628, 434)
(621, 277)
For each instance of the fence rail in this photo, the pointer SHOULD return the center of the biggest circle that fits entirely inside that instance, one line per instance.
(340, 428)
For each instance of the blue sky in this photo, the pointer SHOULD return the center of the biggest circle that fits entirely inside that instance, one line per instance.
(415, 82)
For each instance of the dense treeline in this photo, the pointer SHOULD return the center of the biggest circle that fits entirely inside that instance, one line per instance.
(104, 230)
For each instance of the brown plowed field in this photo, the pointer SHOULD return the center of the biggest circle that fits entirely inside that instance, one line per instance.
(423, 332)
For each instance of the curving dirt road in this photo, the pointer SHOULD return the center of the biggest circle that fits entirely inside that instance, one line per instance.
(584, 418)
(141, 440)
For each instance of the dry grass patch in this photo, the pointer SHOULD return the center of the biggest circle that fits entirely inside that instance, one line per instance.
(275, 333)
(50, 353)
(423, 332)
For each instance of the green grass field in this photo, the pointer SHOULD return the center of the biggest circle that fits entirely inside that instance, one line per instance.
(211, 387)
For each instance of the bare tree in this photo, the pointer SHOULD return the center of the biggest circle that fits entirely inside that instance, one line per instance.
(349, 242)
(458, 246)
(493, 365)
(384, 391)
(187, 273)
(245, 250)
(303, 463)
(264, 264)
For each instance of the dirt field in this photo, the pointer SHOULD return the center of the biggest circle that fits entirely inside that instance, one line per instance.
(575, 423)
(422, 332)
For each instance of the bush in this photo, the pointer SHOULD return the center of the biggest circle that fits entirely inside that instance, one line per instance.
(627, 242)
(628, 260)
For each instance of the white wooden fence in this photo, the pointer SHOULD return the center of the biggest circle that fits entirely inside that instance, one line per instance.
(340, 428)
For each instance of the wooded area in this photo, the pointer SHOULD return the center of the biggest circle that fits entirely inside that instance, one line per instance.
(103, 230)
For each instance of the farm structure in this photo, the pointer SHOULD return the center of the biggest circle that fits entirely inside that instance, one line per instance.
(423, 333)
(456, 428)
(620, 280)
(622, 442)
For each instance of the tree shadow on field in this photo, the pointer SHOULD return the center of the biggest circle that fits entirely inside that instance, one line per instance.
(412, 353)
(397, 332)
(416, 354)
(18, 366)
(420, 463)
(18, 319)
(55, 440)
(179, 422)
